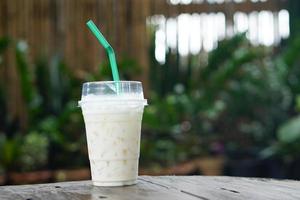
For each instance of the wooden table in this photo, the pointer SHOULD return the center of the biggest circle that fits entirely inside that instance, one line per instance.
(160, 187)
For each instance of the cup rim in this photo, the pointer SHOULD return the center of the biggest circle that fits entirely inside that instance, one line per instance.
(121, 81)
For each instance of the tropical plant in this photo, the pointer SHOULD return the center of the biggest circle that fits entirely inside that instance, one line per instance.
(238, 98)
(287, 139)
(54, 125)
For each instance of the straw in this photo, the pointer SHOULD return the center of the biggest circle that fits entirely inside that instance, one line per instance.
(109, 50)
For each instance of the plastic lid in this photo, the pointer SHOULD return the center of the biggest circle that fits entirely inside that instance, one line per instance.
(111, 91)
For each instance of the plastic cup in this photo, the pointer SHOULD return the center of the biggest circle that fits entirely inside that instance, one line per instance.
(112, 113)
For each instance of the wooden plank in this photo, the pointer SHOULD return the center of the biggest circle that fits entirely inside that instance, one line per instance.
(3, 16)
(212, 187)
(245, 6)
(163, 187)
(12, 79)
(85, 191)
(139, 39)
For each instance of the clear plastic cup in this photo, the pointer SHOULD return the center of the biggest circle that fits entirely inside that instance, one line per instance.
(112, 114)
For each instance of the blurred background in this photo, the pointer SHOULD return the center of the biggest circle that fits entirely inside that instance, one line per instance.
(222, 79)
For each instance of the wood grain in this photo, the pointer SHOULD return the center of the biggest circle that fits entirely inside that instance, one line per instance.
(207, 7)
(161, 187)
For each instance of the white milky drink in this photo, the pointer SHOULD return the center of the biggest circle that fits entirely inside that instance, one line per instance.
(113, 114)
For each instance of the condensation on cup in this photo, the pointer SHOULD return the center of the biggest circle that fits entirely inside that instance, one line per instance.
(112, 113)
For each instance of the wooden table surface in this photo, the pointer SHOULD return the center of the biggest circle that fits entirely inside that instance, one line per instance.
(160, 187)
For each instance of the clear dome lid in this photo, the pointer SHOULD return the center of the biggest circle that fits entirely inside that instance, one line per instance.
(111, 91)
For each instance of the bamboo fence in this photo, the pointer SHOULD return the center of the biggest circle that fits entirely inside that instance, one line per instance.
(57, 28)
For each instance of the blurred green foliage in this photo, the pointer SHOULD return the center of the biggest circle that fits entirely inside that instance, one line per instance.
(54, 133)
(24, 153)
(10, 152)
(234, 103)
(34, 151)
(287, 144)
(54, 130)
(244, 98)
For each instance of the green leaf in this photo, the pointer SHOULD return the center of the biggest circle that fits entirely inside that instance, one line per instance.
(298, 102)
(34, 151)
(10, 151)
(24, 73)
(292, 53)
(290, 131)
(220, 55)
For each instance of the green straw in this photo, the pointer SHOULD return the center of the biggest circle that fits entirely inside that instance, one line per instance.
(109, 50)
